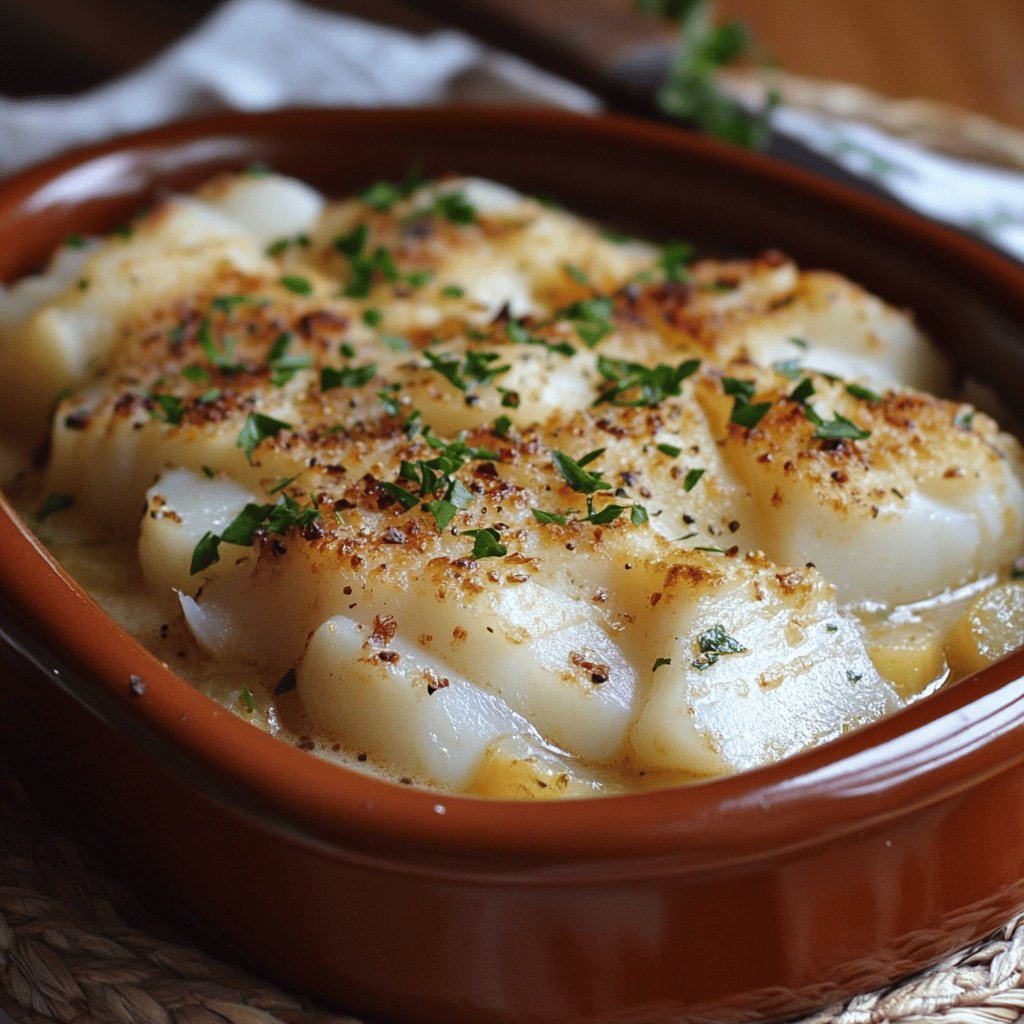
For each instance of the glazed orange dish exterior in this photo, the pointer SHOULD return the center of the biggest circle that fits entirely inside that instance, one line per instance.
(450, 485)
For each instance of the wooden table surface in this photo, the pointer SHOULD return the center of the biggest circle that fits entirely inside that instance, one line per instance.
(969, 54)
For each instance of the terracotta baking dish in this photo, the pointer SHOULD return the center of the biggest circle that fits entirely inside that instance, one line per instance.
(763, 895)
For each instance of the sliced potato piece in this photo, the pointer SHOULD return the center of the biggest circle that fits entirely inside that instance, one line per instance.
(992, 626)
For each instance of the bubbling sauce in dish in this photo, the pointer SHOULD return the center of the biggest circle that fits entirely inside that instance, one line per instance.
(446, 484)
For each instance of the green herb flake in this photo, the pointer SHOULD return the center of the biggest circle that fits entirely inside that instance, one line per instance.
(502, 425)
(831, 627)
(670, 450)
(346, 376)
(713, 643)
(205, 553)
(964, 419)
(691, 479)
(638, 515)
(549, 517)
(633, 384)
(405, 498)
(840, 429)
(372, 317)
(854, 677)
(674, 261)
(442, 511)
(590, 317)
(396, 343)
(353, 243)
(208, 472)
(863, 393)
(75, 241)
(453, 291)
(248, 699)
(486, 543)
(454, 206)
(195, 373)
(297, 284)
(576, 273)
(802, 391)
(256, 429)
(167, 408)
(83, 284)
(576, 476)
(418, 278)
(748, 415)
(799, 342)
(52, 504)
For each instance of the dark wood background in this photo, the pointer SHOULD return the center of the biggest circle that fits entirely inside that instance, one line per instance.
(967, 53)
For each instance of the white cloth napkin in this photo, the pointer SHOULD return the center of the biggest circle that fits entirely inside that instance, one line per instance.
(263, 54)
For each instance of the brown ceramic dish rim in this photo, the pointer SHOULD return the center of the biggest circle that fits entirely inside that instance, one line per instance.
(943, 745)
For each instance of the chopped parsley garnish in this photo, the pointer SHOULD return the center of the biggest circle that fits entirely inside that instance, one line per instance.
(353, 243)
(256, 429)
(591, 318)
(389, 399)
(208, 472)
(486, 543)
(549, 517)
(52, 504)
(802, 391)
(248, 699)
(276, 518)
(509, 399)
(405, 498)
(839, 429)
(222, 357)
(296, 283)
(799, 342)
(167, 408)
(382, 195)
(691, 479)
(576, 273)
(477, 367)
(281, 245)
(854, 677)
(283, 367)
(519, 335)
(195, 373)
(418, 278)
(228, 303)
(453, 291)
(831, 627)
(346, 376)
(670, 450)
(396, 343)
(502, 425)
(442, 511)
(712, 644)
(83, 284)
(859, 391)
(674, 261)
(454, 206)
(744, 412)
(964, 419)
(634, 384)
(576, 476)
(372, 317)
(638, 515)
(124, 232)
(74, 241)
(205, 553)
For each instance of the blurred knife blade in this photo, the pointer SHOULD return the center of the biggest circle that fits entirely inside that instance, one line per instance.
(607, 48)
